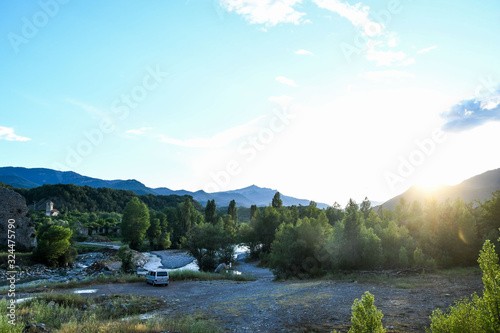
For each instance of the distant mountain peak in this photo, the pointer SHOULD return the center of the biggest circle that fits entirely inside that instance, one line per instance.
(251, 195)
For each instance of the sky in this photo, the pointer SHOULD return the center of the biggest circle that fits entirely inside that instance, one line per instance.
(320, 99)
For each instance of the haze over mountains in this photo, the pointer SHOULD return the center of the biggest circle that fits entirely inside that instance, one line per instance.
(478, 187)
(252, 195)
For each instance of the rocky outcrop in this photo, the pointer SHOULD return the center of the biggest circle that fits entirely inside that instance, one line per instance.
(13, 207)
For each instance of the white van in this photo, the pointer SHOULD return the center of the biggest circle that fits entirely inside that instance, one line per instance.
(159, 276)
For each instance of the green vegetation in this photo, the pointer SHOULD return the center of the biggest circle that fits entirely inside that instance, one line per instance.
(307, 242)
(187, 275)
(210, 244)
(127, 258)
(70, 198)
(74, 313)
(365, 316)
(480, 314)
(54, 247)
(135, 223)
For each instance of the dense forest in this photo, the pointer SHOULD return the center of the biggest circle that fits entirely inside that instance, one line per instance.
(70, 198)
(298, 241)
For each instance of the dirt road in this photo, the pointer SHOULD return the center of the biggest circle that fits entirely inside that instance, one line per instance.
(319, 306)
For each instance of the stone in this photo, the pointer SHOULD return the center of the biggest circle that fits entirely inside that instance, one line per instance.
(13, 207)
(220, 268)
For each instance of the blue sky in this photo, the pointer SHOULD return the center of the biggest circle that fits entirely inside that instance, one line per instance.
(321, 99)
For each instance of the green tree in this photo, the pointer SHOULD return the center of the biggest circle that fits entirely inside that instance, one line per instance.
(233, 211)
(211, 212)
(135, 223)
(253, 210)
(153, 233)
(277, 202)
(54, 247)
(365, 208)
(208, 244)
(127, 258)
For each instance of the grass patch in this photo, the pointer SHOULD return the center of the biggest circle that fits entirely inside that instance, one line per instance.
(75, 313)
(460, 271)
(187, 275)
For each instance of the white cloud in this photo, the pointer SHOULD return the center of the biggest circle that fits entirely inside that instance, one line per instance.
(268, 12)
(138, 131)
(304, 52)
(218, 140)
(386, 58)
(7, 133)
(386, 76)
(287, 81)
(427, 49)
(356, 14)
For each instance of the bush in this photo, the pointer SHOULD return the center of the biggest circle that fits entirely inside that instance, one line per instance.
(127, 258)
(54, 247)
(365, 316)
(481, 314)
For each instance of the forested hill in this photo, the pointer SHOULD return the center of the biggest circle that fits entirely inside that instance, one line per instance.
(69, 197)
(20, 177)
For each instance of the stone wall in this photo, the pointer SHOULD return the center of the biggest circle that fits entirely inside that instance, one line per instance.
(13, 206)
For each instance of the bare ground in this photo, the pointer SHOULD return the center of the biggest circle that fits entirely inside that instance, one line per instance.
(304, 306)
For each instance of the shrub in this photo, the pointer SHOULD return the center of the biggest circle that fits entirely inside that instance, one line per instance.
(127, 258)
(365, 316)
(481, 314)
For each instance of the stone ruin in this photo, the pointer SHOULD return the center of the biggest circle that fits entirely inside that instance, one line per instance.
(13, 206)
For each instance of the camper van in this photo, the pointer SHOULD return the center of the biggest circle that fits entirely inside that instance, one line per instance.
(156, 277)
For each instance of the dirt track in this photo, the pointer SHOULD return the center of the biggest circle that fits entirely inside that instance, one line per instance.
(319, 306)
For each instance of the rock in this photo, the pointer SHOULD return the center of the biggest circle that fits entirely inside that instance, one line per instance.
(34, 328)
(220, 268)
(14, 207)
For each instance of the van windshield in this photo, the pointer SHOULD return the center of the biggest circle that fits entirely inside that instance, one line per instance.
(162, 274)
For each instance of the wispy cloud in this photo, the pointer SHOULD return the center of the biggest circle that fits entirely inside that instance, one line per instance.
(386, 57)
(92, 110)
(357, 14)
(138, 131)
(7, 133)
(268, 12)
(387, 76)
(303, 52)
(427, 49)
(473, 112)
(218, 140)
(287, 81)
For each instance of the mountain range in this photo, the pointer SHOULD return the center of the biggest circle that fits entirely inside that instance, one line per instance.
(478, 187)
(253, 195)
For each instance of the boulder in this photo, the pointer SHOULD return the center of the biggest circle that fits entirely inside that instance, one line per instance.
(13, 207)
(220, 268)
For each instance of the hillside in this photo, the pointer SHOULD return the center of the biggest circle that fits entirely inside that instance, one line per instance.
(253, 195)
(478, 187)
